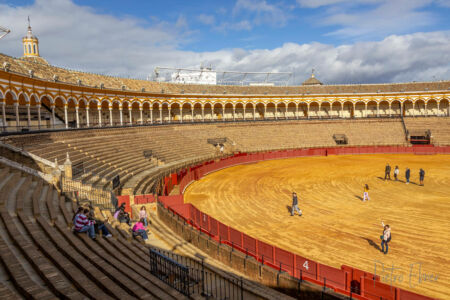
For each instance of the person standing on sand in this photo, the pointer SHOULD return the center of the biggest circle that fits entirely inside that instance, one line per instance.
(366, 193)
(407, 175)
(385, 238)
(421, 176)
(295, 205)
(396, 172)
(387, 172)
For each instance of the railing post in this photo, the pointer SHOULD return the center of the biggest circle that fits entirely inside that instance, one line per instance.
(203, 278)
(242, 290)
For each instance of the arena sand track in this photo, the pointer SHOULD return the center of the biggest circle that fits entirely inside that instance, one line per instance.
(337, 227)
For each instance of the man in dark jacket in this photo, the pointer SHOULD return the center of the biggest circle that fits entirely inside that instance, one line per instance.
(421, 176)
(387, 172)
(295, 205)
(407, 174)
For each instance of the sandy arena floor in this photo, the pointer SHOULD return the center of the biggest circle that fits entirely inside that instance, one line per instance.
(337, 227)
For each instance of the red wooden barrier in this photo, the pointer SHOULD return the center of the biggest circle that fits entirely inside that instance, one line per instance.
(213, 226)
(223, 232)
(204, 221)
(181, 209)
(405, 295)
(249, 244)
(171, 200)
(334, 277)
(235, 237)
(307, 267)
(265, 252)
(375, 289)
(285, 260)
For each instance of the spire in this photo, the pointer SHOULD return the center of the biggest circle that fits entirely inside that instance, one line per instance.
(312, 73)
(30, 33)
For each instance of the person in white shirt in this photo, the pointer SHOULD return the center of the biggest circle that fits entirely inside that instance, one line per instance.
(385, 238)
(396, 172)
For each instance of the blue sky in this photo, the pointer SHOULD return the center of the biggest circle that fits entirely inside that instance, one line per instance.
(345, 40)
(253, 24)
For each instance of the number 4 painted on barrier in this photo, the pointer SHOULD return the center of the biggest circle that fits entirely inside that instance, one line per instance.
(305, 265)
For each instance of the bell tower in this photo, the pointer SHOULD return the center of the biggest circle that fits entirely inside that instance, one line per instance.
(30, 43)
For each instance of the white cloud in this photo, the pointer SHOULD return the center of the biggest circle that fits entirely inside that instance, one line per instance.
(206, 19)
(319, 3)
(372, 19)
(78, 37)
(259, 12)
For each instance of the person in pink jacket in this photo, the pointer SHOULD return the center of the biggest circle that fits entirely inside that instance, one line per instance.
(139, 230)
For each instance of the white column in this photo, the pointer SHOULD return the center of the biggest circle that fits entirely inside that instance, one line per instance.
(192, 110)
(285, 112)
(121, 116)
(28, 115)
(223, 113)
(296, 111)
(151, 115)
(110, 117)
(254, 113)
(4, 113)
(77, 117)
(160, 115)
(131, 116)
(65, 116)
(319, 111)
(87, 116)
(426, 109)
(307, 110)
(203, 114)
(53, 116)
(265, 110)
(378, 109)
(99, 116)
(181, 115)
(342, 110)
(276, 111)
(169, 115)
(438, 108)
(234, 113)
(39, 115)
(16, 108)
(365, 111)
(389, 109)
(140, 114)
(414, 109)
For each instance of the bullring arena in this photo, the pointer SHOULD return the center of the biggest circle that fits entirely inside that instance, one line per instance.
(336, 226)
(215, 167)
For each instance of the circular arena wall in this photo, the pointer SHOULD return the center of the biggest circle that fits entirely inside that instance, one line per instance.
(337, 227)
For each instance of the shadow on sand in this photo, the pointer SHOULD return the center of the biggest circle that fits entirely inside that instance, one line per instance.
(372, 243)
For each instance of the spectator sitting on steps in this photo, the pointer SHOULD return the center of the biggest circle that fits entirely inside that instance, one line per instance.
(139, 230)
(123, 217)
(83, 224)
(99, 225)
(143, 215)
(118, 209)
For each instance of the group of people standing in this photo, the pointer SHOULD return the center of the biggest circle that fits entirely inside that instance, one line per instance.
(387, 174)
